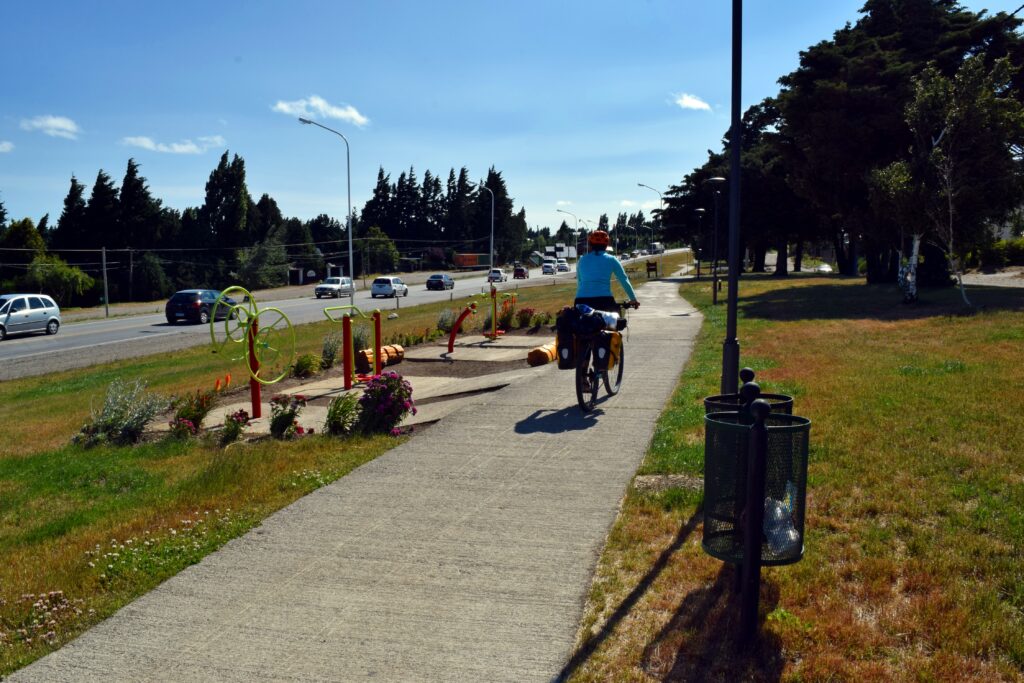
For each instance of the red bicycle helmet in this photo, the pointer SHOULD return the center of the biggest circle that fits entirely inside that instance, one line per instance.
(599, 238)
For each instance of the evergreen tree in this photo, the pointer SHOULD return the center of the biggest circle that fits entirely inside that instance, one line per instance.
(457, 205)
(432, 209)
(102, 215)
(3, 216)
(223, 214)
(138, 211)
(377, 210)
(70, 231)
(506, 243)
(326, 230)
(43, 228)
(407, 204)
(265, 218)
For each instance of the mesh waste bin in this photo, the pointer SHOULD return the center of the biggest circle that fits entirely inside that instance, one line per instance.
(726, 452)
(724, 403)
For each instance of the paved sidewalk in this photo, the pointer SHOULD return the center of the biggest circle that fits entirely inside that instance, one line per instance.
(465, 554)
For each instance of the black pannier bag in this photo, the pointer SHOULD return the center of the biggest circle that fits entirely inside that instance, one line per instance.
(565, 344)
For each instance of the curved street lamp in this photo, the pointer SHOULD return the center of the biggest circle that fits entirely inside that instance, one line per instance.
(484, 187)
(348, 216)
(661, 199)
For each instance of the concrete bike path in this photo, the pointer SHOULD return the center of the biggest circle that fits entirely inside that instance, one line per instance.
(465, 554)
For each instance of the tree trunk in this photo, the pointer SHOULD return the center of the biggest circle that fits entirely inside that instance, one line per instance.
(759, 253)
(798, 257)
(782, 259)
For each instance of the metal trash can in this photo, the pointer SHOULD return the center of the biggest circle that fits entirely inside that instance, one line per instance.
(724, 403)
(726, 452)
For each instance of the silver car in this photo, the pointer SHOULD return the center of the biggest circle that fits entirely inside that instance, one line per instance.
(21, 313)
(335, 286)
(388, 286)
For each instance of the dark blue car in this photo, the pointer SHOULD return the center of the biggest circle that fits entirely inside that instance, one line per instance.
(196, 305)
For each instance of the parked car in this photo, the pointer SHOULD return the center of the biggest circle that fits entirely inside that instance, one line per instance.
(388, 286)
(497, 275)
(196, 306)
(521, 273)
(823, 268)
(440, 281)
(548, 268)
(20, 313)
(562, 266)
(335, 286)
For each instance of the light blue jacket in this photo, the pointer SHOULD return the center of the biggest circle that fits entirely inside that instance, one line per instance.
(594, 275)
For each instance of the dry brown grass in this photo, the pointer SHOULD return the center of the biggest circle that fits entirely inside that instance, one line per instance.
(915, 547)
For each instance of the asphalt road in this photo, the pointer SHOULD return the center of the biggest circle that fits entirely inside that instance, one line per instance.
(90, 342)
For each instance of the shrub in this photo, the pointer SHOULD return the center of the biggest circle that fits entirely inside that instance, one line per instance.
(524, 316)
(446, 320)
(342, 414)
(331, 347)
(1015, 252)
(362, 338)
(306, 365)
(125, 413)
(284, 414)
(506, 314)
(233, 426)
(183, 428)
(487, 324)
(541, 318)
(386, 400)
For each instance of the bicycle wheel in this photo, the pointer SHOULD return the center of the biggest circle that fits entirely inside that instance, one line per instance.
(586, 380)
(610, 384)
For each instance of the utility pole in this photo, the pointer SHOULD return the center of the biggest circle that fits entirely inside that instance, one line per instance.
(106, 294)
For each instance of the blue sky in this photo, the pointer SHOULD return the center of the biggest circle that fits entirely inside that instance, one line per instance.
(574, 102)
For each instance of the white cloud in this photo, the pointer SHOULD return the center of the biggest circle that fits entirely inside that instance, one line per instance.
(315, 106)
(6, 146)
(627, 203)
(687, 101)
(563, 202)
(54, 126)
(183, 147)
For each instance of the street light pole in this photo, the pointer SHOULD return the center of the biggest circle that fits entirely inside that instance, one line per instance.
(575, 231)
(700, 231)
(661, 199)
(715, 182)
(348, 215)
(731, 345)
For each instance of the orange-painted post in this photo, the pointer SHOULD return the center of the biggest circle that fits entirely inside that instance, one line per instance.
(254, 368)
(494, 312)
(346, 348)
(378, 362)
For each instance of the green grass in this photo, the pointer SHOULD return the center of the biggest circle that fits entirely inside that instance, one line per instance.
(915, 531)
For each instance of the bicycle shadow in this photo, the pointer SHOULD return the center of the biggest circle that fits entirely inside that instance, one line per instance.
(557, 421)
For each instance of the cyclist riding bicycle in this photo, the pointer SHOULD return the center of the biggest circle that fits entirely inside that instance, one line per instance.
(594, 276)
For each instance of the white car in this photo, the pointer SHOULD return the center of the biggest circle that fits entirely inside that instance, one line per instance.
(335, 286)
(497, 275)
(823, 268)
(562, 266)
(548, 268)
(388, 286)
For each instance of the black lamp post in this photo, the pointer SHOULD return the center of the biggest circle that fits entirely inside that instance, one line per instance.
(731, 345)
